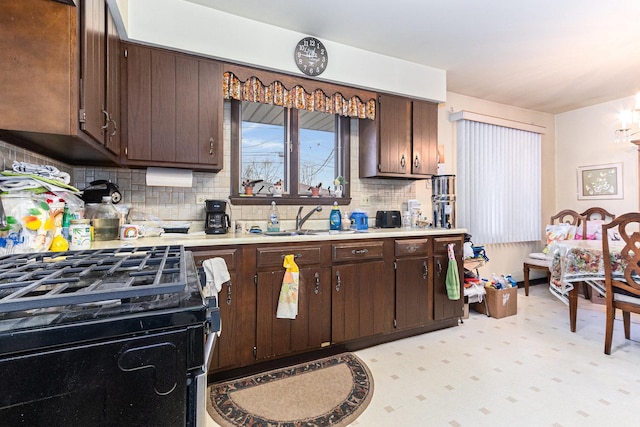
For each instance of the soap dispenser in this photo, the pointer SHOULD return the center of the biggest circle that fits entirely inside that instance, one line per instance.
(335, 219)
(273, 223)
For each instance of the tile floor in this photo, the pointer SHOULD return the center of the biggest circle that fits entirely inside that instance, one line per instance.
(523, 370)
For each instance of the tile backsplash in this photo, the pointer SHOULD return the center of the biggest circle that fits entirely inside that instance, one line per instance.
(178, 203)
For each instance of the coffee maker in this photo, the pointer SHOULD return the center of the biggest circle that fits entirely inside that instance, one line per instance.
(216, 219)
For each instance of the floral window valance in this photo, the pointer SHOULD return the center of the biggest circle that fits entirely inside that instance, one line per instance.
(276, 93)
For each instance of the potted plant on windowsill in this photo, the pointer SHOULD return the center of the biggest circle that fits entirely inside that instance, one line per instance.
(315, 191)
(248, 186)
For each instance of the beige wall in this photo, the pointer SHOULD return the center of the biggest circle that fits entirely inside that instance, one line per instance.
(586, 137)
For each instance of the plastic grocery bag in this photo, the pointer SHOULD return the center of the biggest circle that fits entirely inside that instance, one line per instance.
(288, 301)
(453, 278)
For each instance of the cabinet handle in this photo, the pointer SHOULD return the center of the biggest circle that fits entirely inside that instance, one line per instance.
(403, 161)
(359, 251)
(229, 293)
(439, 268)
(295, 256)
(412, 248)
(211, 149)
(426, 270)
(416, 162)
(317, 288)
(115, 126)
(338, 281)
(106, 119)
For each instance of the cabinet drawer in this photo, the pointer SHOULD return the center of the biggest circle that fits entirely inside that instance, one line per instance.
(412, 247)
(273, 257)
(440, 244)
(356, 251)
(229, 256)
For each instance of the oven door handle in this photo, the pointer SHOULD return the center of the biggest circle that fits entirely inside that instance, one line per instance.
(208, 350)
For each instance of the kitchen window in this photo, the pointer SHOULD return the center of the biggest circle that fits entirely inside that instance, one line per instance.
(300, 149)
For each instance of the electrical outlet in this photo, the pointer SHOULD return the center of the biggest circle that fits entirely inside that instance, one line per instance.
(364, 200)
(200, 198)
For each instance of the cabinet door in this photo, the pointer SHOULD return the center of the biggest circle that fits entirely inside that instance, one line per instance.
(100, 75)
(394, 135)
(425, 138)
(358, 303)
(236, 300)
(414, 304)
(443, 307)
(183, 124)
(94, 69)
(114, 129)
(311, 327)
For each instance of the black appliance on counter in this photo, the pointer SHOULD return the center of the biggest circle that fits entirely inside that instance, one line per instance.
(388, 219)
(97, 189)
(118, 337)
(216, 218)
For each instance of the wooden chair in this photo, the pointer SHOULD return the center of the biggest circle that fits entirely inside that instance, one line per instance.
(591, 214)
(539, 260)
(622, 292)
(598, 213)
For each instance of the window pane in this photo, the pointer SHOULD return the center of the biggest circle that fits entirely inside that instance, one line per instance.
(263, 145)
(318, 161)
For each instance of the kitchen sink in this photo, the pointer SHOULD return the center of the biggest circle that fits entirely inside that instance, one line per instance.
(282, 233)
(307, 232)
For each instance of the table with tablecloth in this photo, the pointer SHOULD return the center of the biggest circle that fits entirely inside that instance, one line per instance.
(580, 261)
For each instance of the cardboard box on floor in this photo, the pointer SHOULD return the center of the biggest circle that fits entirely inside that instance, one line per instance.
(500, 302)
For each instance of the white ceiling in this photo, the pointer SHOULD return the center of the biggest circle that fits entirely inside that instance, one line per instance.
(545, 55)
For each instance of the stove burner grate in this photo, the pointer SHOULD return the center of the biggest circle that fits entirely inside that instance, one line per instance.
(52, 279)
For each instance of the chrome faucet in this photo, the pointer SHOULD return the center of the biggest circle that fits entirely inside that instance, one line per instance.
(300, 221)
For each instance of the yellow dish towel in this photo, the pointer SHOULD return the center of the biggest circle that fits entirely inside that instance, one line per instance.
(288, 301)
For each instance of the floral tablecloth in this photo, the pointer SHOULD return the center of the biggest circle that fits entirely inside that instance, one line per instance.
(581, 261)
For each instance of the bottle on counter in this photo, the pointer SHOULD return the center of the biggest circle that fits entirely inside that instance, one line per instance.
(106, 221)
(335, 219)
(273, 222)
(345, 222)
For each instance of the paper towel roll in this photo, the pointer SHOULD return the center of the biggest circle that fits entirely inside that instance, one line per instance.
(169, 177)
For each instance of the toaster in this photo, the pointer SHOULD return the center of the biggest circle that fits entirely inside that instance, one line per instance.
(388, 219)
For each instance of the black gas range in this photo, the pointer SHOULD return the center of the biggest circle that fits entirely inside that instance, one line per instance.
(104, 337)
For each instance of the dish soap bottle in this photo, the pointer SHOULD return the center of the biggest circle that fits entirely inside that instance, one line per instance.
(335, 219)
(273, 223)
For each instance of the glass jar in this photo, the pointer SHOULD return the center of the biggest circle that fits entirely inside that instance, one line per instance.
(406, 219)
(106, 221)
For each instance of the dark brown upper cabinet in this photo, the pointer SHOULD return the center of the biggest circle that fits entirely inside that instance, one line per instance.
(59, 84)
(402, 141)
(100, 115)
(174, 109)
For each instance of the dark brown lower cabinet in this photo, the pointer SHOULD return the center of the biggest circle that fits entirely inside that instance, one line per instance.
(236, 300)
(359, 302)
(443, 307)
(413, 265)
(311, 327)
(349, 290)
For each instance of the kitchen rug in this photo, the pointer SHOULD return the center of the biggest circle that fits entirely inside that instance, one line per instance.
(328, 392)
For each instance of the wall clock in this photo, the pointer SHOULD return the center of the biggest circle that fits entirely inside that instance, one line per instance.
(311, 56)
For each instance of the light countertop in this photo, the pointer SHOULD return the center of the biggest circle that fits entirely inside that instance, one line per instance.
(200, 239)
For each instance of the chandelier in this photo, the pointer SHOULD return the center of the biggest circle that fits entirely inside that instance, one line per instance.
(628, 118)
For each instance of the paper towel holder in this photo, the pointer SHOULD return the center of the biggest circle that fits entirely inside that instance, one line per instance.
(169, 177)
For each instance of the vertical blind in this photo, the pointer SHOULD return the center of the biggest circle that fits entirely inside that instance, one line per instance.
(499, 175)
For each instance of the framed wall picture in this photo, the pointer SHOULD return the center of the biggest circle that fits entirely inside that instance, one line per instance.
(600, 182)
